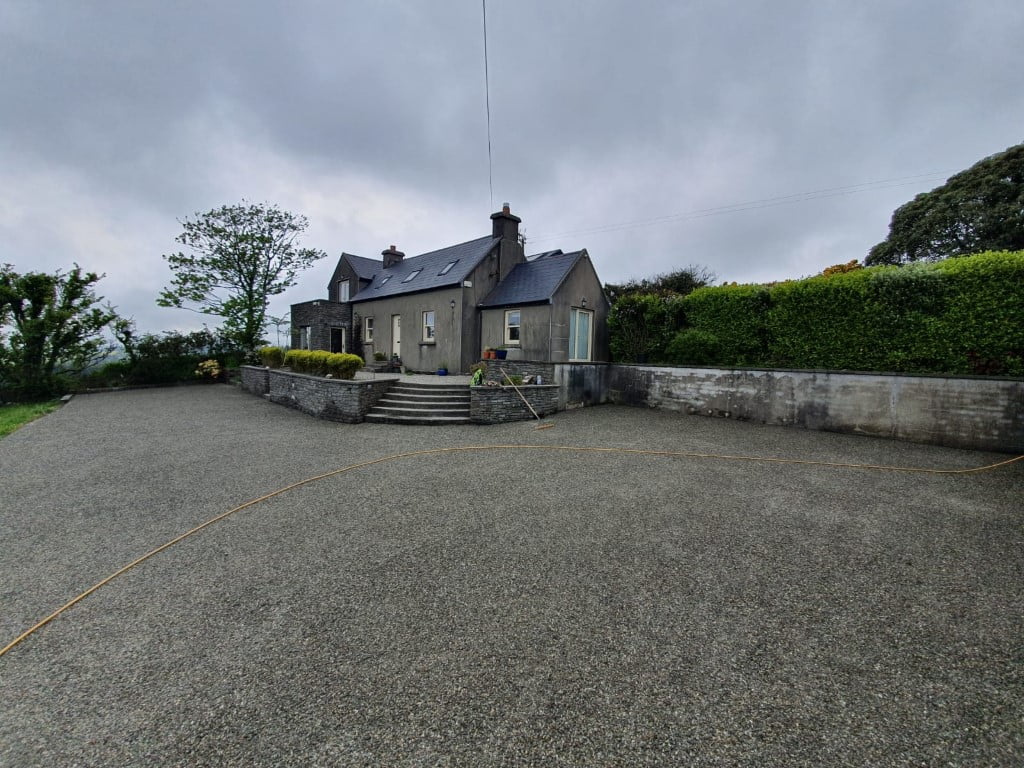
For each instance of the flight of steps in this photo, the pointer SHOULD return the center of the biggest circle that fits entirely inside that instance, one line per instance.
(409, 403)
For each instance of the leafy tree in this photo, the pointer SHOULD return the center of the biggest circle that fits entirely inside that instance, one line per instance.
(241, 256)
(979, 209)
(56, 327)
(679, 282)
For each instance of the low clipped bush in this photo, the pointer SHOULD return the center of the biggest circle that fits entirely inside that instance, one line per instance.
(343, 366)
(318, 362)
(272, 357)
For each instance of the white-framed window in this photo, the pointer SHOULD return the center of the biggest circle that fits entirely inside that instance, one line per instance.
(428, 325)
(581, 334)
(304, 336)
(343, 290)
(368, 329)
(513, 318)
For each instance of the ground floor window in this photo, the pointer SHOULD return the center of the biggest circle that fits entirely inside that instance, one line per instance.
(428, 325)
(368, 330)
(581, 334)
(305, 336)
(512, 326)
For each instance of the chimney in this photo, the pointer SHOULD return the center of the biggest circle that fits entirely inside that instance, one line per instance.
(506, 225)
(392, 256)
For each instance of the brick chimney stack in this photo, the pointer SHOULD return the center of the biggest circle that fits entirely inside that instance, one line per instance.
(392, 256)
(505, 224)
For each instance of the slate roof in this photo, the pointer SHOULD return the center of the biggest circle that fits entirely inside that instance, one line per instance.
(465, 255)
(365, 268)
(535, 281)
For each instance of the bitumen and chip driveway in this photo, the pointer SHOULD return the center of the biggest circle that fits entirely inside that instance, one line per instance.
(503, 606)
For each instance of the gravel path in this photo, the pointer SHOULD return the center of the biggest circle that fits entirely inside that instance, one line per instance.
(502, 607)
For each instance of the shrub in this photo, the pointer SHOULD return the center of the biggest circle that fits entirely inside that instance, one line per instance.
(694, 347)
(735, 316)
(272, 357)
(343, 366)
(318, 362)
(641, 325)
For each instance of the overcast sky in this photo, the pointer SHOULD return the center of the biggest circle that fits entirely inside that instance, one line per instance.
(764, 140)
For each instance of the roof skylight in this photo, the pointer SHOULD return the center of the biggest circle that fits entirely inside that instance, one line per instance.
(412, 275)
(448, 267)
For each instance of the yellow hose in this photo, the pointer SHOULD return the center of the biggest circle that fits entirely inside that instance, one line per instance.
(430, 451)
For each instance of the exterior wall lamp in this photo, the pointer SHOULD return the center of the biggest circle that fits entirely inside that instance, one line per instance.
(583, 302)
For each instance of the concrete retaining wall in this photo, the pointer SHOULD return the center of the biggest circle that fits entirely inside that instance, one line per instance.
(977, 412)
(496, 405)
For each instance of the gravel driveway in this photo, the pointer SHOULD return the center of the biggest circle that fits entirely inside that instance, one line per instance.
(501, 607)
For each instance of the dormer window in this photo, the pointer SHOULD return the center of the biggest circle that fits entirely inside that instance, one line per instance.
(343, 290)
(448, 267)
(412, 276)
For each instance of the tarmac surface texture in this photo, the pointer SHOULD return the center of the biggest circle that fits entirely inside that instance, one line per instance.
(502, 606)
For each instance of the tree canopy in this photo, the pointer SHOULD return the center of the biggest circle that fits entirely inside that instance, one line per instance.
(240, 256)
(980, 209)
(677, 282)
(56, 327)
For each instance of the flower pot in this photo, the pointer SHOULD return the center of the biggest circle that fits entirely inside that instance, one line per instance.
(442, 371)
(501, 354)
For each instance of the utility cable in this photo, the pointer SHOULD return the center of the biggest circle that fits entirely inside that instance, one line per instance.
(436, 451)
(487, 95)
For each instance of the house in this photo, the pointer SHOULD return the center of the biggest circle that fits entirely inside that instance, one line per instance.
(444, 307)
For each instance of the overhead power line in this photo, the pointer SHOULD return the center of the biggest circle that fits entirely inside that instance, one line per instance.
(750, 205)
(487, 95)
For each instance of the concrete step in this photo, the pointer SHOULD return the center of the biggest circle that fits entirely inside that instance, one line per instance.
(427, 390)
(387, 418)
(404, 411)
(398, 402)
(408, 402)
(427, 397)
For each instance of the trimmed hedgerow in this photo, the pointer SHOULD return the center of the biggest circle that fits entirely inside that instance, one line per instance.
(735, 316)
(958, 316)
(318, 362)
(272, 357)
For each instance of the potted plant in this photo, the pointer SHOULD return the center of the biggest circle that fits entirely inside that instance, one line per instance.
(488, 353)
(500, 353)
(442, 369)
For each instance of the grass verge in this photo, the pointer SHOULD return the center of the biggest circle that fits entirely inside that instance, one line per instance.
(13, 416)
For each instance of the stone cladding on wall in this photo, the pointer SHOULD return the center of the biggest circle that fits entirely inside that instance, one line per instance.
(519, 368)
(255, 379)
(332, 399)
(496, 405)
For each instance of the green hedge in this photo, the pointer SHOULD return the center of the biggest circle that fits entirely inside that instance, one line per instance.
(958, 316)
(321, 363)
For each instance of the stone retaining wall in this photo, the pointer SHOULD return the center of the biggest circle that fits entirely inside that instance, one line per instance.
(519, 368)
(332, 399)
(496, 405)
(255, 379)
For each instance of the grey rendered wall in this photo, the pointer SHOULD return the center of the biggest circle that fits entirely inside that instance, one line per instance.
(581, 283)
(534, 330)
(979, 413)
(416, 354)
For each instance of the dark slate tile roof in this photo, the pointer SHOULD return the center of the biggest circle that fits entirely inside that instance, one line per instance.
(532, 282)
(465, 255)
(365, 268)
